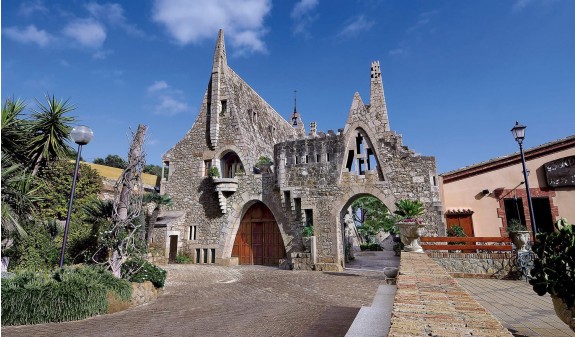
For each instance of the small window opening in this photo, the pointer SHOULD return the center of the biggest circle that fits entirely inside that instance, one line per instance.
(207, 166)
(371, 162)
(224, 107)
(360, 166)
(213, 255)
(287, 199)
(307, 159)
(434, 181)
(205, 259)
(193, 233)
(165, 170)
(297, 204)
(198, 255)
(309, 217)
(318, 158)
(297, 159)
(328, 157)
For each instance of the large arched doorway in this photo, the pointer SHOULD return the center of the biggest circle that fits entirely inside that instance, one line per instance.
(259, 240)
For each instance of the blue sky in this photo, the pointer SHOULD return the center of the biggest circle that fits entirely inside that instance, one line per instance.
(456, 74)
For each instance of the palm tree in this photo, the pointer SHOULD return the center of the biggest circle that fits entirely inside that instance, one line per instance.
(50, 132)
(15, 130)
(151, 218)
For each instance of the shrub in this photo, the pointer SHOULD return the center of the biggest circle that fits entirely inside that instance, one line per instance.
(71, 293)
(554, 265)
(139, 270)
(307, 231)
(213, 172)
(183, 258)
(264, 161)
(515, 225)
(370, 246)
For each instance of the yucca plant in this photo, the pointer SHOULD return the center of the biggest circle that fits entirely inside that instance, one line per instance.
(409, 209)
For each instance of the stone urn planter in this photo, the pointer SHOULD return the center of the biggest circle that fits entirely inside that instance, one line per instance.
(520, 240)
(566, 314)
(410, 232)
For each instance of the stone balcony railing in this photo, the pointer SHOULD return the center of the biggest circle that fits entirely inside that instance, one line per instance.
(225, 187)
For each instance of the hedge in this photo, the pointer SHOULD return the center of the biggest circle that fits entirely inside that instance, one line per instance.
(71, 293)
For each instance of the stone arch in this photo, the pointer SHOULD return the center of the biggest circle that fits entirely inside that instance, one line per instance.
(229, 161)
(238, 211)
(343, 203)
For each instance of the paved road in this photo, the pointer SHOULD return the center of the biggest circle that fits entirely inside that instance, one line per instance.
(207, 300)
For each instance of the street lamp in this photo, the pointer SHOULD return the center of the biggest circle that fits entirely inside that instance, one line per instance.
(81, 135)
(519, 134)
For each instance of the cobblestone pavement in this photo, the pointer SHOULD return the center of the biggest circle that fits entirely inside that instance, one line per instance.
(208, 300)
(517, 307)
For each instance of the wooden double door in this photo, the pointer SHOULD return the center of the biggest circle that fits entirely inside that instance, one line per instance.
(259, 239)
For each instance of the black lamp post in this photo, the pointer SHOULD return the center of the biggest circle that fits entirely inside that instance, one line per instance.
(81, 135)
(519, 134)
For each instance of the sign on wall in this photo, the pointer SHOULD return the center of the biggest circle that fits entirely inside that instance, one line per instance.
(561, 172)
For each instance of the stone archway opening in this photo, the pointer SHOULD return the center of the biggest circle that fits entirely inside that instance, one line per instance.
(259, 240)
(366, 221)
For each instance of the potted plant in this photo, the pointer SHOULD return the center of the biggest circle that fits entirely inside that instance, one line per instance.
(410, 225)
(554, 269)
(213, 172)
(519, 234)
(307, 233)
(263, 165)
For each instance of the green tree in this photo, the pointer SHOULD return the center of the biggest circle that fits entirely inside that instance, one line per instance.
(50, 132)
(158, 200)
(153, 169)
(55, 191)
(15, 131)
(112, 160)
(373, 217)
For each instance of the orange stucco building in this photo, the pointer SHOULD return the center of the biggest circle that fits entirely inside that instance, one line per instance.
(484, 197)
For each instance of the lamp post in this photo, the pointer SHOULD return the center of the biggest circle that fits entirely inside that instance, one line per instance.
(81, 135)
(519, 133)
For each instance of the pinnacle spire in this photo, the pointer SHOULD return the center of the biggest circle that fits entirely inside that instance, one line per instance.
(377, 97)
(220, 59)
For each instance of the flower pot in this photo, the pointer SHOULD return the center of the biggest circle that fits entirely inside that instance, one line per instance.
(566, 314)
(520, 240)
(390, 272)
(410, 232)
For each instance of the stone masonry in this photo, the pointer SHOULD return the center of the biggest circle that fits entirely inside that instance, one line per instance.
(315, 177)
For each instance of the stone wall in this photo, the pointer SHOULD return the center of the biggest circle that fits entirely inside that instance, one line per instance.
(490, 265)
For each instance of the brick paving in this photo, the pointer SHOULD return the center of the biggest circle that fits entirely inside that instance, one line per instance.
(517, 307)
(208, 300)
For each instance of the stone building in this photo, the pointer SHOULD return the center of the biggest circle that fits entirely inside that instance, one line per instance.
(252, 216)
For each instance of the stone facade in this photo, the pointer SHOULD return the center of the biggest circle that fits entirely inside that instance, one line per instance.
(484, 265)
(315, 178)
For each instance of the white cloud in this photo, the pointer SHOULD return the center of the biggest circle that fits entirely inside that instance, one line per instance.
(397, 52)
(27, 8)
(302, 16)
(192, 21)
(158, 85)
(519, 5)
(355, 25)
(167, 101)
(424, 19)
(30, 34)
(102, 54)
(87, 32)
(113, 14)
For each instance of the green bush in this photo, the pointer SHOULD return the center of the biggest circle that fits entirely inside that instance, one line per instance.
(554, 265)
(307, 231)
(139, 270)
(183, 258)
(370, 246)
(71, 293)
(213, 172)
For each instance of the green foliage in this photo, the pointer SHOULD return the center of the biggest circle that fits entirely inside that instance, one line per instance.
(153, 169)
(515, 225)
(264, 161)
(37, 250)
(71, 293)
(307, 231)
(57, 179)
(370, 246)
(15, 131)
(113, 160)
(554, 265)
(139, 270)
(409, 209)
(213, 172)
(183, 258)
(373, 217)
(456, 231)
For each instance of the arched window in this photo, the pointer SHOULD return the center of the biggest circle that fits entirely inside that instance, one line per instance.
(231, 164)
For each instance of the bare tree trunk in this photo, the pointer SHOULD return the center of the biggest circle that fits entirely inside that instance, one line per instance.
(126, 208)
